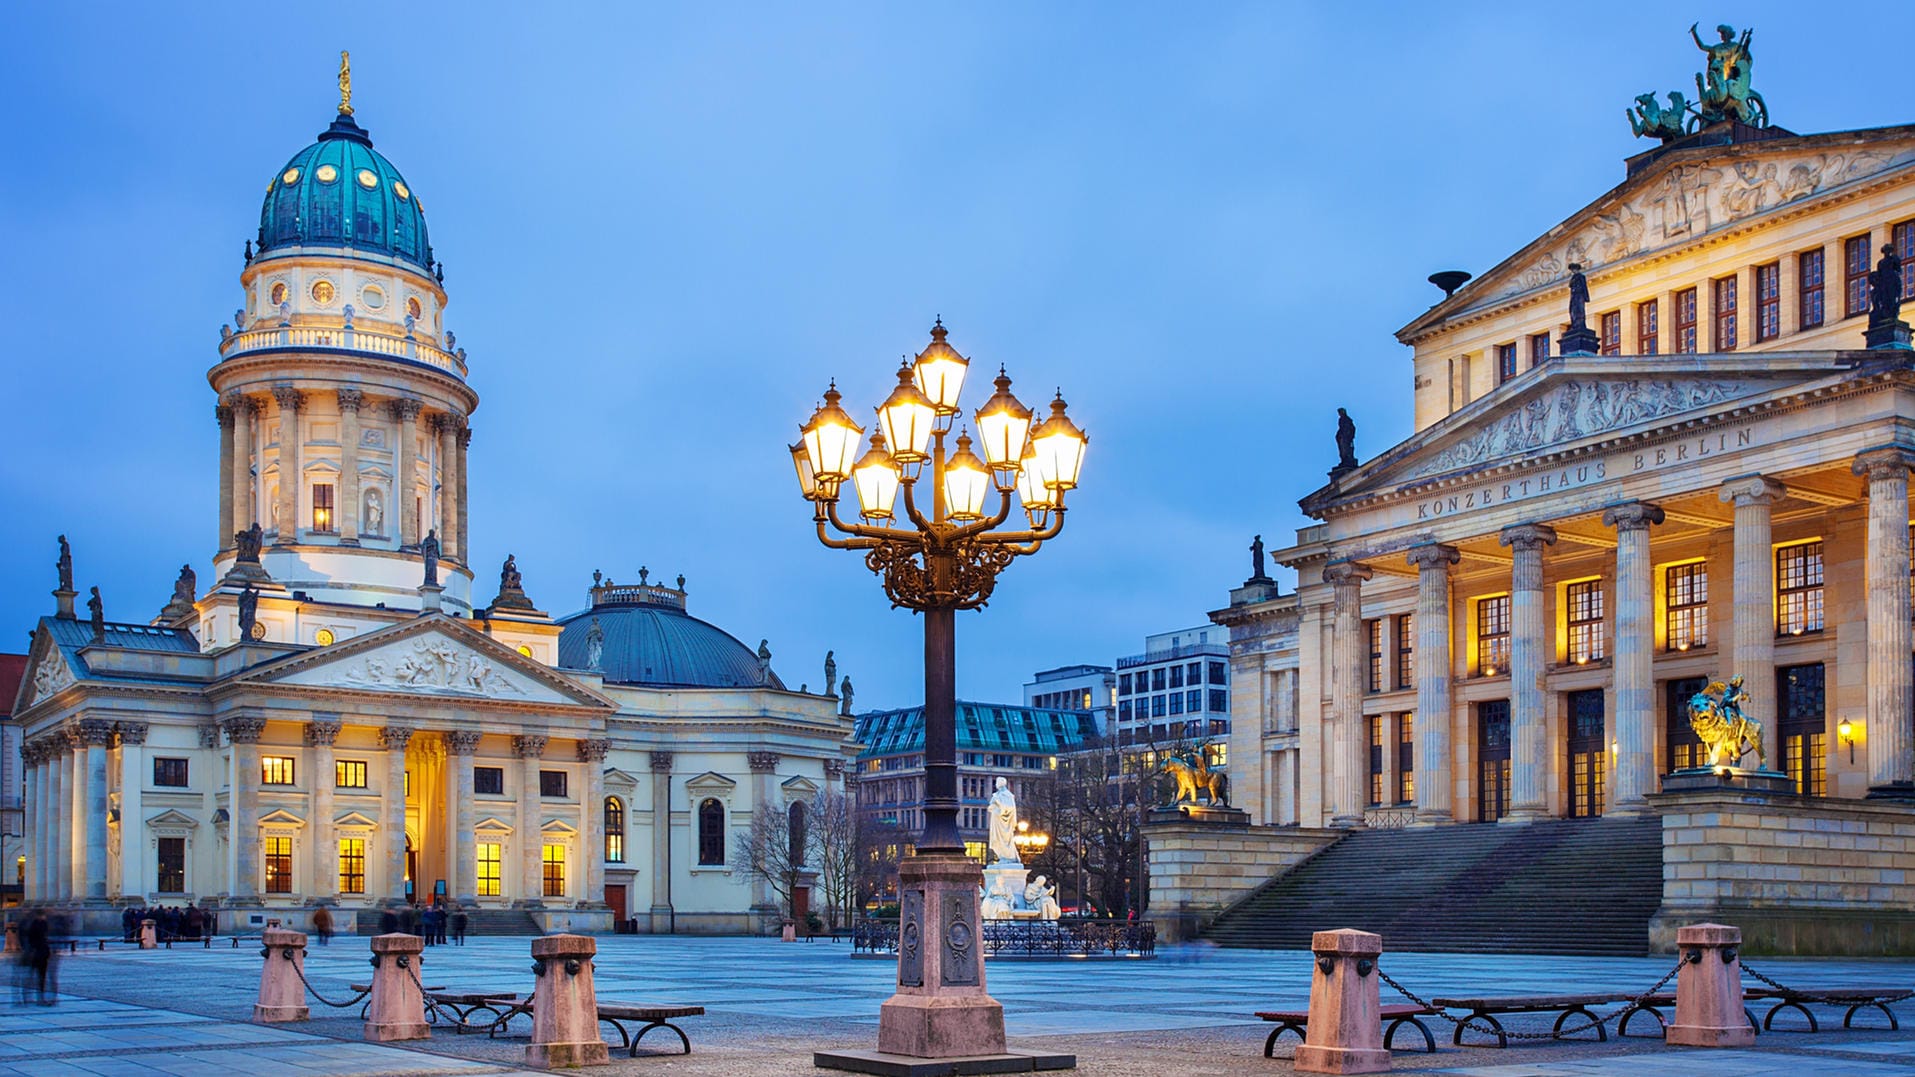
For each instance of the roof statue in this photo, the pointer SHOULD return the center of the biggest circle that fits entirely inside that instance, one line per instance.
(831, 673)
(65, 565)
(512, 594)
(249, 614)
(1346, 440)
(1578, 338)
(96, 612)
(429, 551)
(246, 544)
(1257, 573)
(345, 83)
(1886, 330)
(1650, 120)
(844, 697)
(1724, 85)
(186, 588)
(1716, 714)
(595, 646)
(764, 655)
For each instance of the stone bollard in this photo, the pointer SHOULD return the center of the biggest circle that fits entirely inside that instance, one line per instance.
(1345, 1032)
(149, 935)
(1709, 989)
(282, 991)
(564, 1004)
(396, 1009)
(13, 937)
(788, 931)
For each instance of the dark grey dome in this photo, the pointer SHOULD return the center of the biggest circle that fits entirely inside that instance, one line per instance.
(650, 639)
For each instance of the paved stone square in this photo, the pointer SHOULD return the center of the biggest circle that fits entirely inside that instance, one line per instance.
(186, 1012)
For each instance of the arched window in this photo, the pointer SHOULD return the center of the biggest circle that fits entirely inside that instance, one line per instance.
(795, 827)
(614, 831)
(711, 832)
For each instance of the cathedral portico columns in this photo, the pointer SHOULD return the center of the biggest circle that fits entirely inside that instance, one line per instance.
(392, 811)
(321, 732)
(286, 531)
(1635, 727)
(35, 818)
(93, 737)
(405, 482)
(461, 744)
(132, 739)
(243, 734)
(592, 814)
(465, 441)
(1348, 663)
(447, 427)
(60, 815)
(349, 508)
(530, 749)
(1754, 598)
(224, 415)
(1891, 680)
(1528, 639)
(661, 843)
(244, 512)
(1433, 681)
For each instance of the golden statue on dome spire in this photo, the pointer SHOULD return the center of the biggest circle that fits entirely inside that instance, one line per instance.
(345, 83)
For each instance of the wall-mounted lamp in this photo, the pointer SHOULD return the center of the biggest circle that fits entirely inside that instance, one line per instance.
(1846, 730)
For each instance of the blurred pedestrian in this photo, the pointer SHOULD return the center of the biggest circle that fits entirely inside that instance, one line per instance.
(322, 925)
(459, 922)
(37, 953)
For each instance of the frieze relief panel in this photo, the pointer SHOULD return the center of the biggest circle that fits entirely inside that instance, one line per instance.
(1689, 200)
(51, 675)
(434, 665)
(1577, 409)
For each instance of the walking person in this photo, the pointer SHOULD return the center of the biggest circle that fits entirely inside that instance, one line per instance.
(37, 952)
(322, 925)
(459, 922)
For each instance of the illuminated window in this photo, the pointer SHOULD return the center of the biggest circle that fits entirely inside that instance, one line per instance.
(1724, 295)
(1405, 758)
(1686, 605)
(278, 854)
(1492, 760)
(352, 865)
(1492, 635)
(711, 832)
(1538, 349)
(1649, 327)
(1505, 362)
(349, 774)
(1903, 237)
(1405, 651)
(1686, 322)
(169, 772)
(322, 508)
(1798, 585)
(276, 770)
(1374, 629)
(1611, 330)
(1803, 727)
(1768, 301)
(614, 830)
(489, 869)
(172, 865)
(279, 291)
(1376, 758)
(1584, 610)
(554, 862)
(1855, 275)
(1588, 754)
(1809, 285)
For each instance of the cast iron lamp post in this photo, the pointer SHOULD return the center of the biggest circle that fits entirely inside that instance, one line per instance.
(942, 556)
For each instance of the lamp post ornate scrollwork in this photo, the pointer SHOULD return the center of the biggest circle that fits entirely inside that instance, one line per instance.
(929, 530)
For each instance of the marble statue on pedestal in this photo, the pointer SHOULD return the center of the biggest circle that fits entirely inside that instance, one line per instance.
(1003, 811)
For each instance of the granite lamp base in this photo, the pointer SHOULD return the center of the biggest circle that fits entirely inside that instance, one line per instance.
(932, 1026)
(1310, 1059)
(559, 1056)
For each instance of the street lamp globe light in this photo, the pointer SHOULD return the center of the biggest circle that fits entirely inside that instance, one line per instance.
(1003, 426)
(876, 475)
(939, 372)
(965, 482)
(1060, 448)
(831, 442)
(909, 419)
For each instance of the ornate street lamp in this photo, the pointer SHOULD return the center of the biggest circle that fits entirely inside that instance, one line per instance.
(941, 553)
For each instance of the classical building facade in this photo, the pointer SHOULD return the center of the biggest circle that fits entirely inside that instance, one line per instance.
(337, 719)
(1502, 616)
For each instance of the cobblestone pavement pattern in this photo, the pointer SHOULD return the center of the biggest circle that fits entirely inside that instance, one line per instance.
(185, 1012)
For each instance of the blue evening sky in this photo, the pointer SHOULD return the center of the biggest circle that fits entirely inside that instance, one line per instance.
(666, 227)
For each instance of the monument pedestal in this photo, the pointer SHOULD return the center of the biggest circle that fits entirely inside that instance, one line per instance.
(1889, 336)
(1731, 779)
(1211, 814)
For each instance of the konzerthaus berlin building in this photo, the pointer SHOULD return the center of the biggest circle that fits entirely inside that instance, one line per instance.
(1503, 615)
(323, 724)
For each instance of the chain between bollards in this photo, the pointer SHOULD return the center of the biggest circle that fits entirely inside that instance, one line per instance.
(266, 952)
(451, 1016)
(1641, 1001)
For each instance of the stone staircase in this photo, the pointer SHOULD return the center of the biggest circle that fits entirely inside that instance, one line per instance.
(1582, 886)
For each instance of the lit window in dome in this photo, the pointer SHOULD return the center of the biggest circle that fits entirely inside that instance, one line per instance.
(399, 188)
(290, 177)
(322, 292)
(367, 179)
(323, 637)
(326, 173)
(373, 296)
(279, 293)
(413, 308)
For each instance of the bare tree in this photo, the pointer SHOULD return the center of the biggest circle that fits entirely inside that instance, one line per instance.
(765, 851)
(835, 853)
(1098, 801)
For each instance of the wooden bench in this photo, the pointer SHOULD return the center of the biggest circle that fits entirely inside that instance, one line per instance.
(1397, 1015)
(1564, 1006)
(616, 1013)
(1855, 999)
(467, 1003)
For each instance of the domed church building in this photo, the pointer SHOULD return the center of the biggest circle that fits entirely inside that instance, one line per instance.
(340, 717)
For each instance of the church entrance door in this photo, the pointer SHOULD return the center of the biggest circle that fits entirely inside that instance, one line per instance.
(1588, 753)
(1492, 759)
(615, 897)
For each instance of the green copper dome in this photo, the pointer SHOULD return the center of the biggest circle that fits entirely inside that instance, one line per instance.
(340, 192)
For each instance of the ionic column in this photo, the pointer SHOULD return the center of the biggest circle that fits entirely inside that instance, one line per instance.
(224, 415)
(661, 843)
(95, 735)
(243, 734)
(133, 878)
(461, 745)
(289, 400)
(530, 749)
(1891, 681)
(1635, 718)
(1434, 709)
(321, 732)
(1754, 596)
(62, 816)
(245, 514)
(592, 754)
(348, 509)
(392, 810)
(47, 829)
(764, 766)
(405, 481)
(1529, 740)
(448, 430)
(465, 440)
(33, 816)
(1349, 663)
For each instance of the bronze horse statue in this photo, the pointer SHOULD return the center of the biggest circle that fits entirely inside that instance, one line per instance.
(1194, 778)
